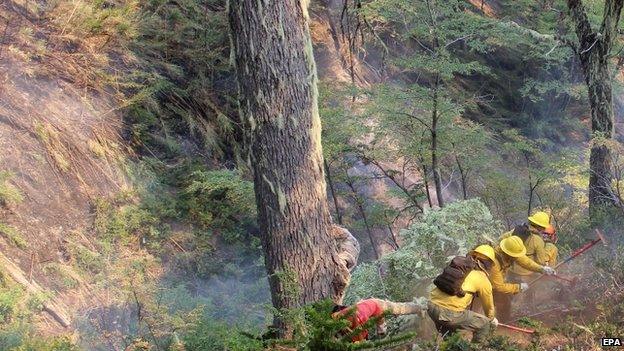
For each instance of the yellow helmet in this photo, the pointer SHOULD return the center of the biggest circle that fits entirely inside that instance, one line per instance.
(485, 250)
(513, 246)
(541, 219)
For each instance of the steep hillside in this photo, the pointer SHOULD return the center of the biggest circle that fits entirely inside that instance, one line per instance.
(127, 211)
(107, 147)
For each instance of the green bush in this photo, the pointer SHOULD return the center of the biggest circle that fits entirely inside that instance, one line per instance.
(124, 220)
(9, 194)
(13, 236)
(62, 343)
(221, 200)
(428, 246)
(212, 335)
(9, 300)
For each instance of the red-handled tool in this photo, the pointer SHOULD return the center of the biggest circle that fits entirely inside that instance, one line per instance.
(511, 327)
(577, 253)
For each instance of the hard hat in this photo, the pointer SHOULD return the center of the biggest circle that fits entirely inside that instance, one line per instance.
(513, 246)
(485, 250)
(541, 219)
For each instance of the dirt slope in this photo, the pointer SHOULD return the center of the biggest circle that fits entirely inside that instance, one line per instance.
(59, 140)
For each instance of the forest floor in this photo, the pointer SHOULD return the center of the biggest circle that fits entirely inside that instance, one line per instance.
(559, 311)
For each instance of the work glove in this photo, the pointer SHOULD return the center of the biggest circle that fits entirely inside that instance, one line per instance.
(548, 270)
(494, 322)
(524, 286)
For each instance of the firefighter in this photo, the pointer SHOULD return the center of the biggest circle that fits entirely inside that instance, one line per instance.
(550, 238)
(511, 250)
(364, 310)
(531, 234)
(450, 309)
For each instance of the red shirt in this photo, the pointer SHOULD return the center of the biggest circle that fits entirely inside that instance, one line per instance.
(364, 310)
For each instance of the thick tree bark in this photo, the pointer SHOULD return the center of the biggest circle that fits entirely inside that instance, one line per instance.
(272, 50)
(593, 52)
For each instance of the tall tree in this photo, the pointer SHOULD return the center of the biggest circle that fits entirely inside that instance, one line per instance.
(593, 51)
(278, 100)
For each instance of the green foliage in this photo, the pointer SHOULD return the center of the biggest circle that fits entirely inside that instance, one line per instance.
(183, 82)
(219, 199)
(91, 18)
(86, 259)
(9, 194)
(16, 322)
(62, 343)
(60, 276)
(428, 245)
(122, 219)
(13, 236)
(211, 335)
(9, 301)
(455, 343)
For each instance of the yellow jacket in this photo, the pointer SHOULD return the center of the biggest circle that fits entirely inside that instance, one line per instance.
(553, 252)
(500, 268)
(476, 282)
(535, 250)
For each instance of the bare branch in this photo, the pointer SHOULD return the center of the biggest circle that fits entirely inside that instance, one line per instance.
(540, 36)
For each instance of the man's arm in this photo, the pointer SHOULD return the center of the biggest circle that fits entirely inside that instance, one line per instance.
(529, 264)
(487, 300)
(498, 281)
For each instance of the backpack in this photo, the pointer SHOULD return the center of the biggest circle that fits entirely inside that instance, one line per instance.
(522, 231)
(452, 277)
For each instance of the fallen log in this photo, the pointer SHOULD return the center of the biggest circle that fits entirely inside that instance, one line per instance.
(53, 309)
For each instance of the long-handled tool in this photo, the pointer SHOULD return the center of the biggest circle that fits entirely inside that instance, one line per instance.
(577, 253)
(511, 327)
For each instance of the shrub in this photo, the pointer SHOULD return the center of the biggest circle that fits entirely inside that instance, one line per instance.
(62, 343)
(212, 335)
(13, 236)
(428, 246)
(124, 220)
(9, 194)
(221, 200)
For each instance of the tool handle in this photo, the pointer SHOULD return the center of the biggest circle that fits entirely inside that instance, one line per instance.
(584, 248)
(511, 327)
(571, 257)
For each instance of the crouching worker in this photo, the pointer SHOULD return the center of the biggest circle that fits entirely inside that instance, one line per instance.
(450, 301)
(550, 238)
(511, 250)
(360, 313)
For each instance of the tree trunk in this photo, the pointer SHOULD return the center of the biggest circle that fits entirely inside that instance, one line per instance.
(277, 79)
(359, 204)
(333, 192)
(426, 183)
(601, 102)
(464, 178)
(593, 52)
(435, 168)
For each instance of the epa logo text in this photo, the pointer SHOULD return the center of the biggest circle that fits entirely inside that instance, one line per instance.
(611, 342)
